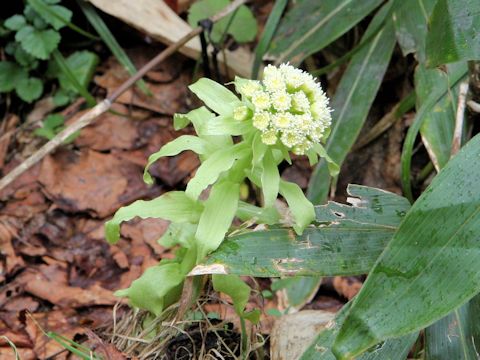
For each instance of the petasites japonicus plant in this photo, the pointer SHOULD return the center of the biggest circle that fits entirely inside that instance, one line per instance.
(239, 138)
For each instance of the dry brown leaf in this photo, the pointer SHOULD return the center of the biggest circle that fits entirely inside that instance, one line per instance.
(12, 261)
(167, 98)
(7, 353)
(347, 286)
(62, 322)
(160, 22)
(49, 282)
(109, 131)
(91, 182)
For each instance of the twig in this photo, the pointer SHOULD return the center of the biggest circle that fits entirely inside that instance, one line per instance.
(459, 119)
(474, 106)
(104, 105)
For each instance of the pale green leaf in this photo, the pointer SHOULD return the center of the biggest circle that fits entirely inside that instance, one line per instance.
(216, 219)
(248, 211)
(215, 96)
(157, 288)
(234, 287)
(429, 268)
(225, 125)
(175, 147)
(302, 210)
(174, 206)
(270, 179)
(217, 163)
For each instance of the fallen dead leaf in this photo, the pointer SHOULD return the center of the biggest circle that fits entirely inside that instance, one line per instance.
(62, 322)
(91, 182)
(167, 98)
(347, 286)
(12, 261)
(109, 131)
(49, 282)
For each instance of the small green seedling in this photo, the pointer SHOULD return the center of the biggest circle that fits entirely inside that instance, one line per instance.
(52, 125)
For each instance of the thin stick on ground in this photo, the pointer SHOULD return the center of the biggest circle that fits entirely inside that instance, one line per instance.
(105, 105)
(459, 119)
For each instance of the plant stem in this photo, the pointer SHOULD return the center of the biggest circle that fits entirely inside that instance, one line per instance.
(244, 337)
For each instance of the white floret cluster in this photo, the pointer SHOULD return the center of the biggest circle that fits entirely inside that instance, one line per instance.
(288, 106)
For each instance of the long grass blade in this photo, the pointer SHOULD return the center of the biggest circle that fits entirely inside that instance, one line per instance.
(109, 40)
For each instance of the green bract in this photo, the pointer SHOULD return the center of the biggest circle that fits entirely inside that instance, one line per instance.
(238, 139)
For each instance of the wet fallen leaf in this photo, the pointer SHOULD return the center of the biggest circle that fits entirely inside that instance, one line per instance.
(90, 182)
(168, 98)
(11, 261)
(49, 282)
(109, 131)
(62, 322)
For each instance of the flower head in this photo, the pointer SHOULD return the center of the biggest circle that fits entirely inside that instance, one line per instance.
(289, 106)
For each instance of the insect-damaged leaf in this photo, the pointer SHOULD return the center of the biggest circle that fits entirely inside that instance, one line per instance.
(345, 241)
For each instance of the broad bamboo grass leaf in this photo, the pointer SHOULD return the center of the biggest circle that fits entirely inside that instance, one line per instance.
(457, 335)
(267, 35)
(346, 240)
(58, 16)
(453, 32)
(364, 41)
(393, 349)
(411, 19)
(312, 25)
(72, 79)
(437, 128)
(455, 75)
(429, 268)
(107, 37)
(352, 101)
